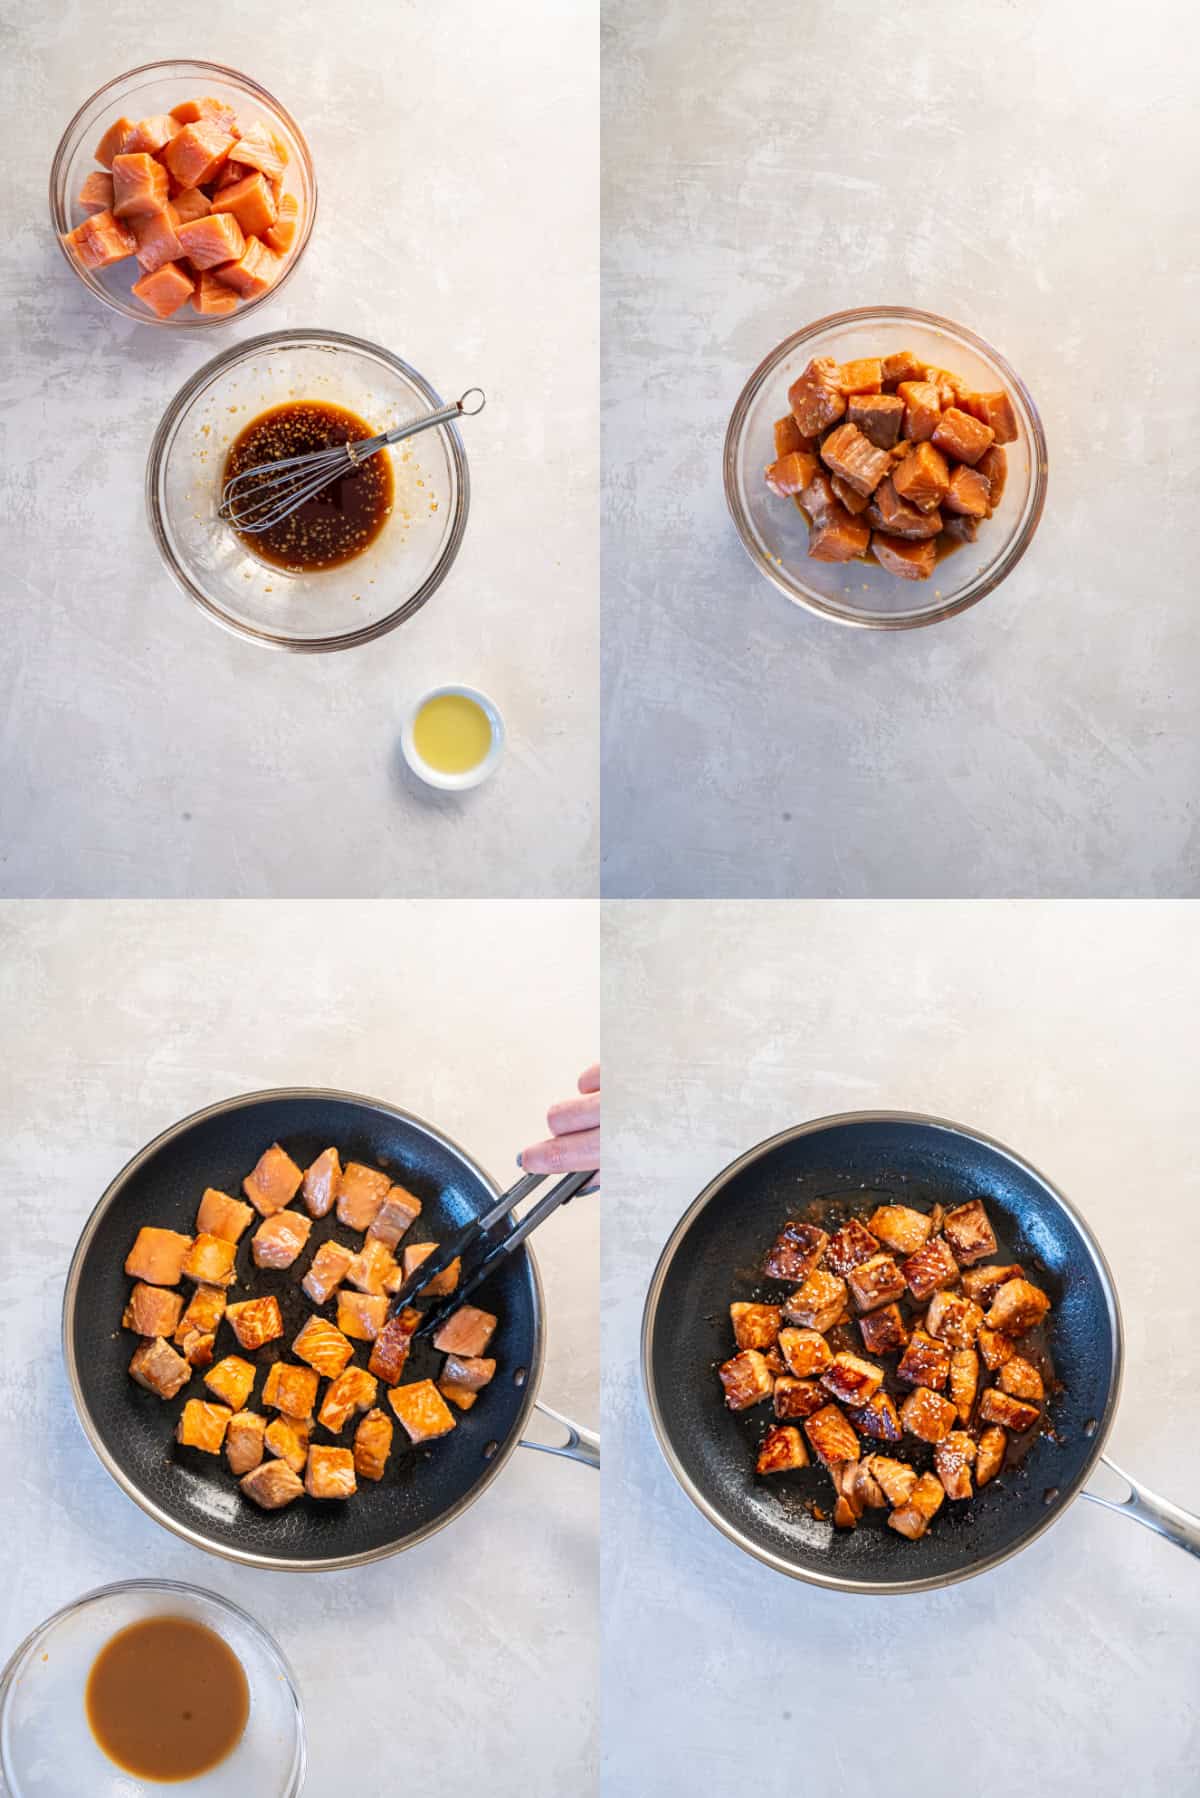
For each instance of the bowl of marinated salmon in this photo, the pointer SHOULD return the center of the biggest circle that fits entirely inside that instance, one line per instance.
(885, 467)
(182, 194)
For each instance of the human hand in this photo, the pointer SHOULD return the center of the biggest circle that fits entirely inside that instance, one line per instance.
(574, 1140)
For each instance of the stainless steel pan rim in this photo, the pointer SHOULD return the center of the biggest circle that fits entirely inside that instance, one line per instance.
(196, 1537)
(834, 1581)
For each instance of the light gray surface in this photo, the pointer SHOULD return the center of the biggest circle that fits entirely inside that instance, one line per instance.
(144, 753)
(981, 161)
(1068, 1032)
(468, 1662)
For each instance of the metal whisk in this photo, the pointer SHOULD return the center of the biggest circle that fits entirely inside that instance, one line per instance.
(263, 496)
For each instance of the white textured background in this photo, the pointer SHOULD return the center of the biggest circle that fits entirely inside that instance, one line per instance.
(1027, 171)
(120, 1019)
(143, 752)
(1067, 1031)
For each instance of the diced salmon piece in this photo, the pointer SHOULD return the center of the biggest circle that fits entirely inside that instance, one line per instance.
(215, 238)
(232, 1379)
(795, 1399)
(256, 1321)
(879, 1419)
(390, 1350)
(202, 1425)
(954, 1319)
(466, 1331)
(156, 239)
(259, 148)
(853, 502)
(470, 1371)
(798, 1248)
(815, 399)
(831, 1435)
(875, 1282)
(1016, 1307)
(883, 1332)
(400, 1209)
(964, 1382)
(851, 1379)
(291, 1390)
(158, 1368)
(923, 478)
(96, 194)
(849, 1246)
(863, 376)
(321, 1183)
(152, 1311)
(896, 518)
(113, 142)
(271, 1485)
(205, 1309)
(896, 1478)
(372, 1445)
(287, 1438)
(901, 556)
(354, 1390)
(925, 1361)
(212, 297)
(848, 453)
(219, 1215)
(782, 1450)
(139, 186)
(788, 435)
(361, 1315)
(100, 241)
(989, 1455)
(900, 1228)
(330, 1265)
(323, 1347)
(251, 202)
(188, 112)
(993, 466)
(792, 473)
(997, 1349)
(280, 1239)
(196, 155)
(244, 1441)
(968, 493)
(166, 290)
(330, 1473)
(961, 436)
(211, 1261)
(747, 1380)
(373, 1267)
(995, 410)
(151, 134)
(1021, 1379)
(958, 528)
(441, 1284)
(157, 1256)
(902, 365)
(1015, 1415)
(928, 1415)
(462, 1396)
(805, 1352)
(913, 1519)
(190, 204)
(839, 539)
(422, 1411)
(362, 1189)
(878, 416)
(922, 410)
(755, 1326)
(276, 1179)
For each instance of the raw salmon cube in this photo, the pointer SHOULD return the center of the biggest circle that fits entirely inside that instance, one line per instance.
(189, 112)
(902, 365)
(321, 1182)
(158, 1368)
(292, 1390)
(244, 1441)
(282, 234)
(261, 149)
(272, 1485)
(958, 528)
(466, 1331)
(217, 237)
(139, 186)
(323, 1347)
(330, 1473)
(994, 410)
(839, 539)
(362, 1189)
(330, 1265)
(152, 1311)
(276, 1179)
(251, 202)
(390, 1351)
(190, 204)
(372, 1445)
(196, 155)
(219, 1215)
(96, 194)
(151, 134)
(863, 376)
(923, 478)
(792, 473)
(157, 1256)
(900, 555)
(922, 410)
(256, 1321)
(441, 1284)
(968, 493)
(878, 416)
(849, 454)
(113, 141)
(423, 1412)
(853, 502)
(354, 1390)
(101, 240)
(156, 239)
(361, 1315)
(166, 290)
(960, 435)
(202, 1425)
(399, 1210)
(232, 1379)
(280, 1239)
(747, 1380)
(212, 297)
(993, 466)
(287, 1438)
(815, 399)
(788, 435)
(211, 1260)
(372, 1268)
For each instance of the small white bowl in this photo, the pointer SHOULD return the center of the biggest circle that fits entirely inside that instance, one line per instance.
(471, 777)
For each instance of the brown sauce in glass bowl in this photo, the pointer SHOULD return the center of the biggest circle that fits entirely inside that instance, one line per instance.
(166, 1699)
(338, 523)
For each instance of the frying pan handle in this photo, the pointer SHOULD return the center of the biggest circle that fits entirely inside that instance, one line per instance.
(580, 1445)
(1159, 1514)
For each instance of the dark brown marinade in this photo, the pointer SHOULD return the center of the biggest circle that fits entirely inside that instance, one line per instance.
(341, 521)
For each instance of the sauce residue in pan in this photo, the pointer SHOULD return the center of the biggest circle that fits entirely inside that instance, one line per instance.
(341, 521)
(167, 1699)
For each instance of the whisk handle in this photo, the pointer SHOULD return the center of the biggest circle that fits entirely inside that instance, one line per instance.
(459, 408)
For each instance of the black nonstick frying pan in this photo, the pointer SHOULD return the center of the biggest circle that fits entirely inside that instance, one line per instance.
(714, 1256)
(194, 1494)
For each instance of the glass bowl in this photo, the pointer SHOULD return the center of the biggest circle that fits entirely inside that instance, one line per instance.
(775, 533)
(332, 608)
(154, 88)
(47, 1749)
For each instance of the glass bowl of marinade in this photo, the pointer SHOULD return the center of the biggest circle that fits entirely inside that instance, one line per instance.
(147, 1683)
(301, 592)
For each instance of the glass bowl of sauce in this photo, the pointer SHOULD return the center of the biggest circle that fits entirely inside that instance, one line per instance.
(453, 738)
(357, 561)
(147, 1684)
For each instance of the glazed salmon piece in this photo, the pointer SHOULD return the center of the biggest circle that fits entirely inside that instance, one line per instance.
(878, 416)
(361, 1315)
(846, 452)
(994, 410)
(815, 399)
(792, 473)
(272, 1485)
(202, 1425)
(961, 436)
(113, 141)
(390, 1350)
(96, 194)
(101, 241)
(839, 539)
(151, 134)
(211, 240)
(788, 435)
(197, 1328)
(900, 555)
(157, 243)
(158, 1368)
(189, 112)
(251, 202)
(261, 149)
(323, 1347)
(960, 529)
(330, 1473)
(923, 478)
(190, 204)
(372, 1445)
(287, 1438)
(321, 1182)
(354, 1390)
(282, 234)
(139, 186)
(993, 466)
(291, 1390)
(922, 410)
(863, 376)
(211, 1261)
(152, 1311)
(969, 492)
(256, 1321)
(157, 1256)
(423, 1412)
(212, 297)
(276, 1179)
(196, 155)
(232, 1379)
(888, 512)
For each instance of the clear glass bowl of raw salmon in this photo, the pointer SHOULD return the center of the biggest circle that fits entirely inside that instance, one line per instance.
(775, 529)
(159, 146)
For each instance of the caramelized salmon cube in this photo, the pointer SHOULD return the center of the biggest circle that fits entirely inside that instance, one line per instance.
(259, 148)
(291, 1390)
(840, 539)
(361, 1315)
(953, 1457)
(875, 1282)
(441, 1284)
(755, 1326)
(213, 239)
(361, 1193)
(791, 473)
(989, 1455)
(256, 1321)
(96, 194)
(422, 1411)
(152, 1311)
(1021, 1379)
(964, 1382)
(1013, 1413)
(906, 1520)
(251, 202)
(202, 1426)
(924, 1501)
(968, 494)
(993, 466)
(747, 1380)
(831, 1436)
(354, 1390)
(852, 456)
(928, 1415)
(922, 410)
(372, 1267)
(157, 1256)
(795, 1252)
(372, 1445)
(462, 1396)
(330, 1265)
(158, 1368)
(995, 1348)
(276, 1179)
(863, 376)
(983, 1283)
(400, 1209)
(287, 1438)
(794, 1398)
(851, 1379)
(896, 1479)
(466, 1331)
(883, 1331)
(100, 241)
(788, 435)
(211, 1261)
(806, 1352)
(196, 154)
(323, 1347)
(244, 1441)
(815, 398)
(390, 1350)
(113, 142)
(953, 1318)
(925, 1362)
(271, 1485)
(190, 203)
(899, 1227)
(329, 1473)
(879, 1419)
(212, 297)
(902, 365)
(322, 1182)
(1017, 1307)
(969, 1232)
(816, 1304)
(280, 1239)
(782, 1450)
(961, 436)
(232, 1379)
(139, 186)
(995, 410)
(219, 1215)
(848, 1246)
(151, 134)
(879, 416)
(929, 1269)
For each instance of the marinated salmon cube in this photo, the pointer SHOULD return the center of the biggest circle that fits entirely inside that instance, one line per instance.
(276, 1179)
(928, 1415)
(441, 1284)
(899, 1228)
(470, 1372)
(219, 1215)
(287, 1438)
(189, 204)
(205, 1309)
(202, 1425)
(883, 1331)
(815, 399)
(330, 1265)
(923, 478)
(968, 493)
(212, 297)
(323, 1347)
(165, 290)
(322, 1183)
(848, 1246)
(251, 202)
(866, 1488)
(851, 1379)
(151, 134)
(256, 1321)
(139, 186)
(189, 112)
(280, 1239)
(863, 376)
(244, 1441)
(983, 1283)
(462, 1396)
(96, 194)
(422, 1411)
(1017, 1307)
(964, 1382)
(1021, 1379)
(329, 1473)
(953, 1457)
(197, 1346)
(819, 500)
(879, 1419)
(903, 365)
(259, 148)
(907, 1521)
(816, 1304)
(925, 1362)
(958, 528)
(922, 410)
(961, 436)
(747, 1380)
(782, 1450)
(876, 1282)
(806, 1352)
(361, 1315)
(840, 539)
(158, 1368)
(291, 1390)
(853, 502)
(831, 1436)
(361, 1193)
(788, 435)
(993, 466)
(928, 1495)
(391, 1346)
(755, 1326)
(196, 154)
(157, 1256)
(152, 1311)
(845, 1514)
(879, 416)
(995, 1348)
(855, 458)
(953, 1318)
(795, 1252)
(271, 1485)
(1013, 1413)
(929, 1269)
(373, 1445)
(211, 1261)
(989, 1455)
(113, 142)
(232, 1379)
(354, 1390)
(466, 1331)
(400, 1209)
(995, 410)
(895, 1479)
(213, 239)
(791, 473)
(795, 1399)
(969, 1232)
(372, 1267)
(894, 516)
